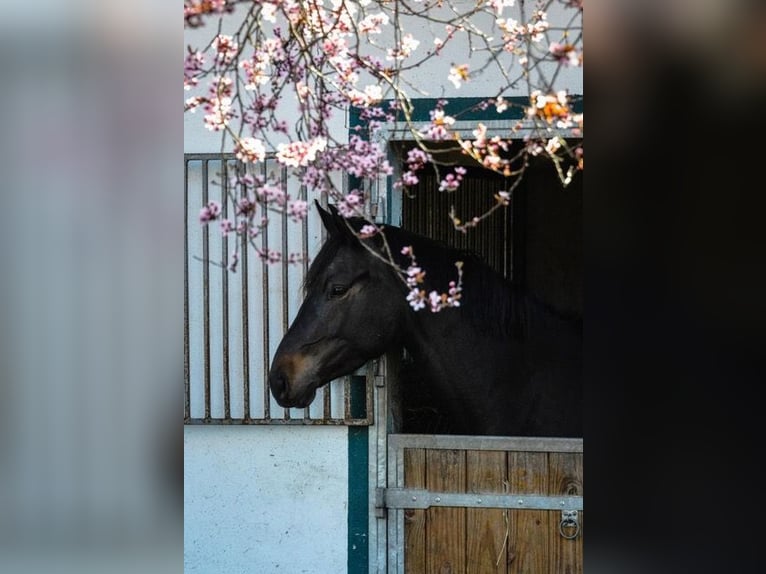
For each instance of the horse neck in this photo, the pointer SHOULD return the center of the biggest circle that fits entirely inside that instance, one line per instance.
(467, 367)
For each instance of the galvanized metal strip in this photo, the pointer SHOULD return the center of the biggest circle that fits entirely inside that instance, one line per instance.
(381, 472)
(187, 373)
(452, 442)
(393, 514)
(403, 498)
(287, 422)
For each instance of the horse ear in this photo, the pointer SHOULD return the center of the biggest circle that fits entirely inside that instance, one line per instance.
(328, 219)
(334, 222)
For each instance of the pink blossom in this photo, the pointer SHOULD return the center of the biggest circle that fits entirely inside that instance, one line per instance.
(226, 227)
(220, 113)
(565, 54)
(210, 212)
(367, 231)
(417, 299)
(226, 48)
(193, 65)
(349, 205)
(271, 194)
(255, 71)
(440, 123)
(452, 180)
(371, 23)
(300, 153)
(250, 150)
(297, 210)
(409, 178)
(458, 74)
(191, 104)
(372, 95)
(245, 207)
(408, 45)
(294, 258)
(498, 5)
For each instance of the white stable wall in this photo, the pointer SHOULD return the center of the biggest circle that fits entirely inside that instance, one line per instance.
(265, 500)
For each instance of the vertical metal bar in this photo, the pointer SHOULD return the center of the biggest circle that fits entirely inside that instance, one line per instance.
(245, 322)
(369, 390)
(400, 512)
(347, 398)
(225, 291)
(305, 264)
(187, 375)
(328, 388)
(265, 294)
(285, 286)
(206, 291)
(380, 431)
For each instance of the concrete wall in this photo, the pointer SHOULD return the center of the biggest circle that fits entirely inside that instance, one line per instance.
(265, 500)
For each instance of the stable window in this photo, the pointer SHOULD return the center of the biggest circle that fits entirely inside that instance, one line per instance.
(233, 322)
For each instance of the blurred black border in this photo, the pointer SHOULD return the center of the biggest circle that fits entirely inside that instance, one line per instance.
(674, 292)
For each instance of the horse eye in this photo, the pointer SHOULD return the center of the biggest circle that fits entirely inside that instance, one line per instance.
(338, 290)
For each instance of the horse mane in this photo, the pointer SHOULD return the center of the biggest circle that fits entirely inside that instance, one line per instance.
(490, 303)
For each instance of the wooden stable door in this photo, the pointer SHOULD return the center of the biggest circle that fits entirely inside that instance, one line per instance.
(496, 505)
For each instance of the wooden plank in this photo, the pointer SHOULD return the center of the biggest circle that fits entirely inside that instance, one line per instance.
(446, 535)
(414, 520)
(486, 528)
(565, 477)
(530, 531)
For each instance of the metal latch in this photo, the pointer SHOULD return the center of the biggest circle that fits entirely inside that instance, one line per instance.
(569, 527)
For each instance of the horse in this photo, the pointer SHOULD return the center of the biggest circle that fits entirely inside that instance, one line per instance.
(501, 363)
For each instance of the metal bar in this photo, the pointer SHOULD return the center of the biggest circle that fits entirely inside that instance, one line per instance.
(187, 374)
(369, 382)
(265, 292)
(289, 422)
(378, 471)
(327, 391)
(206, 290)
(225, 293)
(303, 195)
(347, 397)
(452, 442)
(326, 398)
(285, 287)
(393, 516)
(245, 322)
(406, 498)
(400, 512)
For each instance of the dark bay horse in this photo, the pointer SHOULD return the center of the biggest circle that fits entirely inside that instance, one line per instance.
(500, 364)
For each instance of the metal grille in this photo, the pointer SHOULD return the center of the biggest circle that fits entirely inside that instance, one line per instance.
(425, 211)
(233, 322)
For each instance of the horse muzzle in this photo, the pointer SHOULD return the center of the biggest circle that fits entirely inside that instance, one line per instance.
(290, 382)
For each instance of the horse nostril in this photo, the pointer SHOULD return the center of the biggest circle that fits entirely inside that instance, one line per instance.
(278, 383)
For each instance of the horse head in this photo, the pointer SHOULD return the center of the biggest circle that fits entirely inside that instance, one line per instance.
(350, 315)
